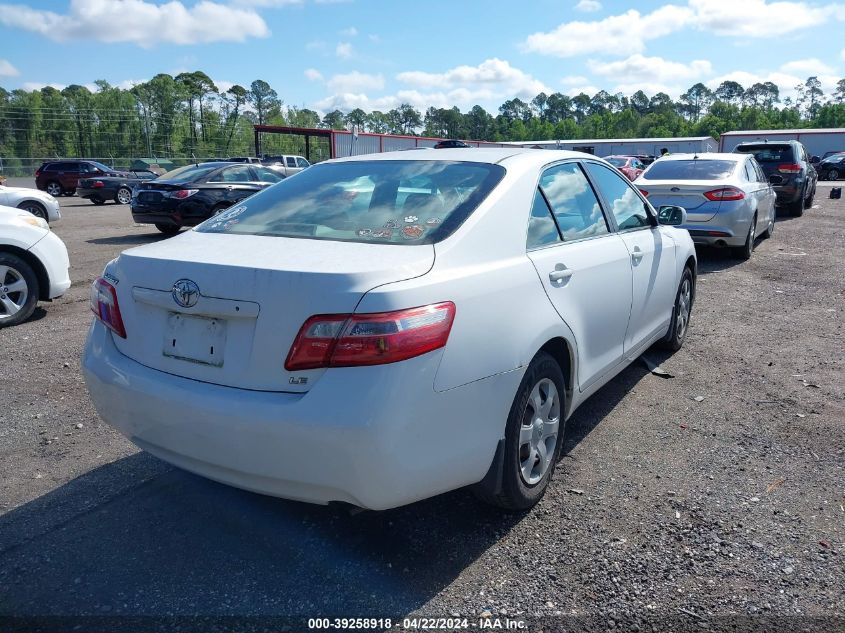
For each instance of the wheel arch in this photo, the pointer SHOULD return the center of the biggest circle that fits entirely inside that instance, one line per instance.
(564, 353)
(37, 267)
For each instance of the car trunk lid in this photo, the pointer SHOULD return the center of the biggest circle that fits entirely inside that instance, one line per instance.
(251, 296)
(689, 195)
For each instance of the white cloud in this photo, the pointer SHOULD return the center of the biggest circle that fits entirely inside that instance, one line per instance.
(38, 85)
(623, 34)
(586, 89)
(373, 37)
(222, 84)
(573, 80)
(312, 74)
(139, 21)
(495, 75)
(355, 82)
(350, 32)
(650, 69)
(268, 3)
(758, 18)
(343, 50)
(808, 67)
(7, 70)
(588, 6)
(128, 84)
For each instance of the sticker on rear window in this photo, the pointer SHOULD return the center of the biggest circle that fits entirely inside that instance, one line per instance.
(412, 232)
(391, 224)
(410, 219)
(363, 232)
(433, 221)
(382, 233)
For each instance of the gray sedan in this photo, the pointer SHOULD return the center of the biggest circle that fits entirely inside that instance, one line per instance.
(728, 199)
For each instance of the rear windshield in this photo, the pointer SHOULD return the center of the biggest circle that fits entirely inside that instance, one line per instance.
(617, 162)
(189, 173)
(694, 169)
(394, 202)
(768, 153)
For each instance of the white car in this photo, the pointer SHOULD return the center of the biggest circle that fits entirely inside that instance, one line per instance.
(38, 203)
(33, 265)
(388, 327)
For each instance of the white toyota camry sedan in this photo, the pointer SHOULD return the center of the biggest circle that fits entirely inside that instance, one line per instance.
(386, 328)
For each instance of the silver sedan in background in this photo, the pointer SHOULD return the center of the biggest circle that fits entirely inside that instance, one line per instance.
(728, 199)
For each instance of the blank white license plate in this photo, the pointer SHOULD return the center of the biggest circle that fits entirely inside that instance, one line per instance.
(194, 338)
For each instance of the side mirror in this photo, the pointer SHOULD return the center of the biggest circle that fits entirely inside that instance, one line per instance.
(815, 160)
(671, 215)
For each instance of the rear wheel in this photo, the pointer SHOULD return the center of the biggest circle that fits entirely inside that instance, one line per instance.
(533, 436)
(53, 188)
(168, 229)
(796, 208)
(18, 290)
(681, 311)
(124, 195)
(832, 174)
(35, 208)
(771, 227)
(808, 201)
(745, 251)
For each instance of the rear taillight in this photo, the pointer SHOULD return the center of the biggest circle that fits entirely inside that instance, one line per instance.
(104, 306)
(181, 194)
(789, 168)
(728, 193)
(98, 184)
(644, 192)
(351, 340)
(37, 172)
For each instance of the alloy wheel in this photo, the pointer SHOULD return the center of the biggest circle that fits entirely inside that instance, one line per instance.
(13, 292)
(54, 189)
(538, 435)
(35, 209)
(683, 307)
(124, 196)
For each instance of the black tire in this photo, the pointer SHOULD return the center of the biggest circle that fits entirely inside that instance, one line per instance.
(771, 228)
(515, 493)
(745, 251)
(98, 201)
(832, 174)
(681, 313)
(796, 207)
(808, 201)
(17, 270)
(35, 208)
(125, 193)
(168, 229)
(53, 188)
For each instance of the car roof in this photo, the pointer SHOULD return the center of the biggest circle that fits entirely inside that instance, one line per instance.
(490, 155)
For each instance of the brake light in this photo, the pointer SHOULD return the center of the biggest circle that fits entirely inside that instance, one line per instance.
(37, 172)
(789, 168)
(644, 192)
(104, 306)
(728, 193)
(181, 194)
(352, 340)
(98, 184)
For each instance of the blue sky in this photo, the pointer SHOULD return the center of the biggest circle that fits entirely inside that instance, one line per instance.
(375, 54)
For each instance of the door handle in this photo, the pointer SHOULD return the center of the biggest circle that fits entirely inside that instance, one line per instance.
(637, 255)
(560, 274)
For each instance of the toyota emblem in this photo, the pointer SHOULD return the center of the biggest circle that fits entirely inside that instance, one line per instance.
(185, 293)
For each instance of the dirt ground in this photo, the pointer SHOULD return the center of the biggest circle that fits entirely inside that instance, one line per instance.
(694, 501)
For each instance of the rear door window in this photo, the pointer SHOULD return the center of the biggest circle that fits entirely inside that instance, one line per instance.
(574, 204)
(236, 173)
(623, 200)
(542, 228)
(291, 161)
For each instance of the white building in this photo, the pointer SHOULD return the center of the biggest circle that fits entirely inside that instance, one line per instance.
(630, 146)
(817, 141)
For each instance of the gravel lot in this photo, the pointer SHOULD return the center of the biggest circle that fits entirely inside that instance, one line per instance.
(689, 501)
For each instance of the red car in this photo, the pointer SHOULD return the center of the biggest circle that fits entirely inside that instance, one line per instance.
(628, 165)
(59, 177)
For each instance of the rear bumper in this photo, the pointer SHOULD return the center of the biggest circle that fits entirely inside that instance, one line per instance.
(102, 193)
(376, 437)
(170, 212)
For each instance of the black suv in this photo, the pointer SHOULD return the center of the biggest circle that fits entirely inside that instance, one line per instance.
(788, 168)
